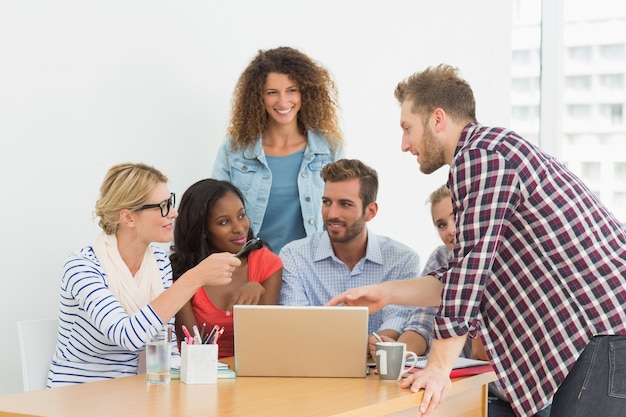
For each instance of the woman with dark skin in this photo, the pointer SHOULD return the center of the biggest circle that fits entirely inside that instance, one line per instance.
(212, 218)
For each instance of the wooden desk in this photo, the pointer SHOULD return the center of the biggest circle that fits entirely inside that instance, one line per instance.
(245, 396)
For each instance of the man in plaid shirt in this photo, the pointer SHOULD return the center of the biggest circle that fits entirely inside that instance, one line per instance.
(539, 268)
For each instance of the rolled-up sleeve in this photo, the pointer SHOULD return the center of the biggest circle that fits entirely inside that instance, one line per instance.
(421, 321)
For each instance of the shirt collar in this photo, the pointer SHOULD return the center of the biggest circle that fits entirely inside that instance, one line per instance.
(466, 136)
(316, 144)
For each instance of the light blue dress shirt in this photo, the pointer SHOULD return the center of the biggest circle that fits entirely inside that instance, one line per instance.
(312, 274)
(439, 258)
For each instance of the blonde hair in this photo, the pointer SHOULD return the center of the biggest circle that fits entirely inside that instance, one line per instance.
(438, 195)
(125, 186)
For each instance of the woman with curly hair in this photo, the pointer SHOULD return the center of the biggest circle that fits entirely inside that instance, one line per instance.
(284, 128)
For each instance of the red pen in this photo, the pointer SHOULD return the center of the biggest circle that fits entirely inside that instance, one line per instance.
(188, 337)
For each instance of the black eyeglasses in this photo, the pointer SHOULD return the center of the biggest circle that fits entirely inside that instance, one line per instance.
(164, 205)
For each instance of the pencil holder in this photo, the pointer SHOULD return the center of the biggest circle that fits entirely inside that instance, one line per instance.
(198, 363)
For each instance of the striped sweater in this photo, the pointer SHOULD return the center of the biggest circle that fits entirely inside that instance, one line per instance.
(97, 339)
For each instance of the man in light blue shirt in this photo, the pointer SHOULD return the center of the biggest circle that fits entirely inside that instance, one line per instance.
(346, 255)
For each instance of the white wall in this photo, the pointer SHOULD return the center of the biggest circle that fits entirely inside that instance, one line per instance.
(84, 85)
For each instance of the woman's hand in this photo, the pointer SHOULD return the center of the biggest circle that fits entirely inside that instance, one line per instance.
(217, 268)
(249, 293)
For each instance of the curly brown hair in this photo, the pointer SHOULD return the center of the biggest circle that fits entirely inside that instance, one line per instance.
(319, 96)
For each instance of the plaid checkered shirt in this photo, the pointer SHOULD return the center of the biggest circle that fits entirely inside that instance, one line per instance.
(539, 262)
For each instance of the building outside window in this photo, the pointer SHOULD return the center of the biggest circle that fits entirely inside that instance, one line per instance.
(582, 88)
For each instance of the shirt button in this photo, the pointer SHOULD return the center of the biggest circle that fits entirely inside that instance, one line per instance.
(311, 221)
(304, 175)
(308, 199)
(244, 168)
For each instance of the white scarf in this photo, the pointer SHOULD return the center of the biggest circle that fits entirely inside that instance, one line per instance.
(135, 292)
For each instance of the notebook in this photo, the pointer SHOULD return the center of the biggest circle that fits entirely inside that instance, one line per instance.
(462, 366)
(291, 341)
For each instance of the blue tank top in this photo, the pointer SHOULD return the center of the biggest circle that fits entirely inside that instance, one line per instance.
(283, 216)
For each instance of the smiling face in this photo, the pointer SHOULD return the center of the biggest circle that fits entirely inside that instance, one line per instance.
(228, 224)
(150, 225)
(443, 219)
(419, 139)
(282, 99)
(342, 210)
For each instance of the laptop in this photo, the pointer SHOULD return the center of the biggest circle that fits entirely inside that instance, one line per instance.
(289, 341)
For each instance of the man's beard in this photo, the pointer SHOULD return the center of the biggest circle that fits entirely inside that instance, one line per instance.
(351, 232)
(433, 156)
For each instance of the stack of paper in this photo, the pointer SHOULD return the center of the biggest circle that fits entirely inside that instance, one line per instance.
(462, 366)
(223, 372)
(460, 362)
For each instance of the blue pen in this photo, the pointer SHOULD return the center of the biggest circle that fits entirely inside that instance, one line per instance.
(216, 336)
(209, 338)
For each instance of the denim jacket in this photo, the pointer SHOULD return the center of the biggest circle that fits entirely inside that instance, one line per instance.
(249, 171)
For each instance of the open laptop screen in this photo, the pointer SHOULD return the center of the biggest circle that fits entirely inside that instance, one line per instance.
(293, 341)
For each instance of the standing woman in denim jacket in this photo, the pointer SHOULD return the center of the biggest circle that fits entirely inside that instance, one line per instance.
(284, 128)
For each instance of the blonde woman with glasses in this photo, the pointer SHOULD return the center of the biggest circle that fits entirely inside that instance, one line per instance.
(113, 290)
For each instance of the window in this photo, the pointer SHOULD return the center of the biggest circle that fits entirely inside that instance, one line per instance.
(592, 171)
(579, 82)
(579, 111)
(580, 53)
(620, 172)
(525, 113)
(614, 113)
(521, 58)
(522, 85)
(612, 81)
(582, 120)
(616, 52)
